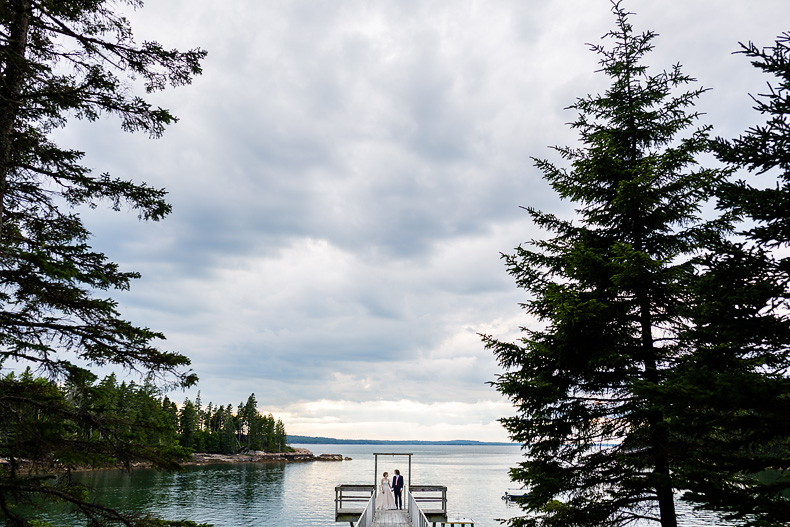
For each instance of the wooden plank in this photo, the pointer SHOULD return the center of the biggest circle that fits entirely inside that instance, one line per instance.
(391, 518)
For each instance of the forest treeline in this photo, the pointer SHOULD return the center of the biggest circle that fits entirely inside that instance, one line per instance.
(139, 413)
(220, 429)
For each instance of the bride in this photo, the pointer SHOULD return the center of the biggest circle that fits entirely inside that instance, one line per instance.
(385, 499)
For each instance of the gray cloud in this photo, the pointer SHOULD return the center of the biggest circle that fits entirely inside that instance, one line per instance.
(344, 177)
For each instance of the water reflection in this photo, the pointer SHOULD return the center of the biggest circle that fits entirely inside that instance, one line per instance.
(219, 494)
(302, 494)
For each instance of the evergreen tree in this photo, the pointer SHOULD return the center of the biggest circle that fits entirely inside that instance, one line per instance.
(208, 438)
(200, 437)
(148, 415)
(207, 415)
(270, 439)
(170, 411)
(227, 435)
(609, 287)
(187, 424)
(240, 422)
(280, 436)
(733, 402)
(763, 149)
(218, 419)
(60, 60)
(249, 419)
(256, 440)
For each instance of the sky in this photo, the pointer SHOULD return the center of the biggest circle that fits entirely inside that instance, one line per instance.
(345, 176)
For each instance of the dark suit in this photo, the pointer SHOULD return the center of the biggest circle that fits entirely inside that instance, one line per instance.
(397, 488)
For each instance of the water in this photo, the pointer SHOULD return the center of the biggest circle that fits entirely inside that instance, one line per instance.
(302, 494)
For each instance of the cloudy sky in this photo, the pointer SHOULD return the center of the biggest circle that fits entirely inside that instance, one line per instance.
(344, 177)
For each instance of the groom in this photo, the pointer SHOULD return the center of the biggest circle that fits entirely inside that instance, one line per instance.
(397, 488)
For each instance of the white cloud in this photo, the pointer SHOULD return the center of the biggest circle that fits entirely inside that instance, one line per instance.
(344, 177)
(399, 419)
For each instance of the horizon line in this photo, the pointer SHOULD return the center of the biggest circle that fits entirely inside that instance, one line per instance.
(395, 441)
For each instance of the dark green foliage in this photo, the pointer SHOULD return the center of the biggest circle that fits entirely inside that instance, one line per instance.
(49, 272)
(187, 425)
(280, 436)
(589, 386)
(47, 431)
(227, 435)
(60, 60)
(764, 149)
(731, 401)
(218, 430)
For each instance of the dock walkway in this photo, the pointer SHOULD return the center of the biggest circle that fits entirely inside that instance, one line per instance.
(391, 518)
(423, 504)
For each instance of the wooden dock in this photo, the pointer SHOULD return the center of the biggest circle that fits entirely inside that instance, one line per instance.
(423, 504)
(356, 504)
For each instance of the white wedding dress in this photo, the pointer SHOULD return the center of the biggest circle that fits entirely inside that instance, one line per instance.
(385, 499)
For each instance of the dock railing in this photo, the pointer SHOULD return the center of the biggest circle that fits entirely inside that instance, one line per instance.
(418, 518)
(366, 519)
(351, 500)
(431, 499)
(357, 504)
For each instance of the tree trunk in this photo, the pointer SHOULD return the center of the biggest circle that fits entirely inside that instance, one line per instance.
(13, 72)
(658, 435)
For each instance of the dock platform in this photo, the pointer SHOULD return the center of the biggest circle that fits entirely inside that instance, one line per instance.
(423, 504)
(356, 504)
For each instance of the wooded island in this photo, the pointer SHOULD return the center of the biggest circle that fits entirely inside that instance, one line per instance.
(138, 413)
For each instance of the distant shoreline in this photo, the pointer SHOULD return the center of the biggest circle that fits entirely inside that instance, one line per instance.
(310, 440)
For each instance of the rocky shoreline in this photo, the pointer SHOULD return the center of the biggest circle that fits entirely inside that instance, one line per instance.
(298, 454)
(199, 458)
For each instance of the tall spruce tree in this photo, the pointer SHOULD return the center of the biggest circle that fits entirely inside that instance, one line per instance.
(764, 149)
(731, 400)
(59, 60)
(608, 287)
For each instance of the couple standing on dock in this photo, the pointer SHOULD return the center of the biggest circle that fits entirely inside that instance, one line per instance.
(385, 499)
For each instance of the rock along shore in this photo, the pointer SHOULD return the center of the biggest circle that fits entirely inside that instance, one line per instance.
(299, 454)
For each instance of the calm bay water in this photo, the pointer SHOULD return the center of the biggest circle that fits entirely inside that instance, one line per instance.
(302, 494)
